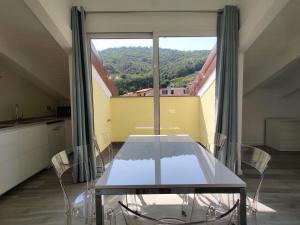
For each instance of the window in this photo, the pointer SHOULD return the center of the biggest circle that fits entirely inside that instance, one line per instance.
(128, 64)
(129, 69)
(180, 61)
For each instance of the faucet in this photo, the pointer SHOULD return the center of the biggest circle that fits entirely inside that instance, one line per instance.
(17, 113)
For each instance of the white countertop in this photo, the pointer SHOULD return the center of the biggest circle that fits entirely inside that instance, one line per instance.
(34, 122)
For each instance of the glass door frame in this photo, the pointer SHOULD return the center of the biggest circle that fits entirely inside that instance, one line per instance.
(154, 35)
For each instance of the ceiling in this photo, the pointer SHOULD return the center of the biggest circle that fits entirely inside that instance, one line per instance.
(25, 43)
(152, 5)
(283, 78)
(275, 54)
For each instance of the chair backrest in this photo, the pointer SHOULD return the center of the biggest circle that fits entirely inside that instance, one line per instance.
(105, 143)
(218, 144)
(61, 163)
(255, 157)
(220, 139)
(66, 161)
(100, 163)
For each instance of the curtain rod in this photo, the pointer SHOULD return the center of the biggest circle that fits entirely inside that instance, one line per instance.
(158, 11)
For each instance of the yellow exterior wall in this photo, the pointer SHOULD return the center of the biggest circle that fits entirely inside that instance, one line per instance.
(131, 115)
(135, 115)
(208, 104)
(122, 116)
(181, 115)
(102, 115)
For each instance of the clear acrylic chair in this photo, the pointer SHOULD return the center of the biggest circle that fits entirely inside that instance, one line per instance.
(77, 197)
(105, 143)
(218, 144)
(259, 160)
(256, 159)
(133, 217)
(217, 147)
(113, 210)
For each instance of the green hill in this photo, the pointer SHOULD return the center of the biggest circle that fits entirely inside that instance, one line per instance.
(131, 67)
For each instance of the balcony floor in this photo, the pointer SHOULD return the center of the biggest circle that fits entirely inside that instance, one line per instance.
(39, 200)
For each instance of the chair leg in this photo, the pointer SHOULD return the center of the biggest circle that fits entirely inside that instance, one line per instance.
(68, 218)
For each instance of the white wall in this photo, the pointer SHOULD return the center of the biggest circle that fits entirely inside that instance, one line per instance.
(182, 23)
(262, 104)
(16, 90)
(246, 9)
(152, 5)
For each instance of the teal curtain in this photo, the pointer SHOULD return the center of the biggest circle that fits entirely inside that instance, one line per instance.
(82, 103)
(227, 82)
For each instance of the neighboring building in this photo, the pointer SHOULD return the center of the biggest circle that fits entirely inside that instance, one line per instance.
(163, 92)
(145, 92)
(170, 91)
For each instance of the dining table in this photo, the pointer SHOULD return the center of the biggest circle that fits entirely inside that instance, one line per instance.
(166, 164)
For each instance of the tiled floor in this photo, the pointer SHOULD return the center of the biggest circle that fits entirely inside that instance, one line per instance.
(39, 201)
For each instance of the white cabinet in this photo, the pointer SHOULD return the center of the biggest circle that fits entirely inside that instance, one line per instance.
(23, 152)
(283, 134)
(56, 136)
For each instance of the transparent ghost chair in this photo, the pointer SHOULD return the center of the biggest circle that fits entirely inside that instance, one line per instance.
(73, 165)
(256, 159)
(105, 146)
(77, 197)
(216, 147)
(218, 144)
(259, 160)
(111, 202)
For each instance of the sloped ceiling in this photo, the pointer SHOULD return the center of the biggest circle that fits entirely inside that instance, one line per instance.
(273, 59)
(28, 45)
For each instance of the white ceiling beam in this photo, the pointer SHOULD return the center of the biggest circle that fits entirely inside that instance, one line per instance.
(261, 16)
(55, 16)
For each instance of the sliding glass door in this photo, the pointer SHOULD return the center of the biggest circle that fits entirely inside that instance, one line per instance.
(127, 66)
(180, 62)
(149, 79)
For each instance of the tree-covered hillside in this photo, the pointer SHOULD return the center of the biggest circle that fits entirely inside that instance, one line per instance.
(131, 67)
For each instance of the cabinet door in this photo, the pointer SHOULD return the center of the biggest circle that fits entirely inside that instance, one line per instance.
(33, 137)
(57, 140)
(9, 174)
(9, 166)
(33, 141)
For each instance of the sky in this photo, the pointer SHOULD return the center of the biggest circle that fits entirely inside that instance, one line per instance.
(178, 43)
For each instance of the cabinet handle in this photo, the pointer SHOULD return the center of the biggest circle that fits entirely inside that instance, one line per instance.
(56, 128)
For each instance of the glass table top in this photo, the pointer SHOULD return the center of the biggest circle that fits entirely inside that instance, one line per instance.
(166, 161)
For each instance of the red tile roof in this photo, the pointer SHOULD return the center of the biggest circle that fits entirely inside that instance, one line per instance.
(144, 90)
(98, 64)
(206, 71)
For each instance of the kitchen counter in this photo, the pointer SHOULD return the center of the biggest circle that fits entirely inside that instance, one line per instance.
(27, 147)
